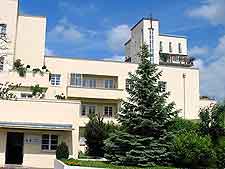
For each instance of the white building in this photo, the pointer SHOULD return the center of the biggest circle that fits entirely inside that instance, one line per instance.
(31, 127)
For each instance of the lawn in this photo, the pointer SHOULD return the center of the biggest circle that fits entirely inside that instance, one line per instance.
(100, 164)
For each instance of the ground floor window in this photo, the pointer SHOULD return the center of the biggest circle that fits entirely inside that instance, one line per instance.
(49, 142)
(88, 109)
(108, 111)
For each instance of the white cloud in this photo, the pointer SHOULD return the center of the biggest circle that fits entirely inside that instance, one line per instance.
(65, 31)
(198, 51)
(199, 64)
(212, 10)
(212, 75)
(117, 36)
(115, 58)
(49, 52)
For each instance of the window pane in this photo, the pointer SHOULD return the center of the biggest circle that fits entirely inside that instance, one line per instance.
(44, 147)
(53, 147)
(83, 110)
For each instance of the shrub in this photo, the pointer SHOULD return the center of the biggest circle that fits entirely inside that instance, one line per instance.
(193, 151)
(180, 125)
(62, 151)
(220, 154)
(95, 134)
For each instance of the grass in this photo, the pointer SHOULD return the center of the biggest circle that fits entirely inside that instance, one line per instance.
(101, 164)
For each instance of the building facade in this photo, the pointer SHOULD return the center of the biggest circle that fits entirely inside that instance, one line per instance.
(69, 89)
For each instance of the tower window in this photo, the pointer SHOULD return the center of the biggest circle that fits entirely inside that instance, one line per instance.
(161, 46)
(170, 47)
(179, 48)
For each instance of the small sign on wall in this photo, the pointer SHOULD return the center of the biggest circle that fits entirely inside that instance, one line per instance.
(32, 139)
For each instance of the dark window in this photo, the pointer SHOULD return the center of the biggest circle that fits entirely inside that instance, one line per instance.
(162, 85)
(108, 111)
(161, 46)
(49, 142)
(109, 84)
(55, 79)
(179, 48)
(170, 47)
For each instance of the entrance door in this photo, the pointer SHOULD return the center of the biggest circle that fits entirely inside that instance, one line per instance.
(14, 148)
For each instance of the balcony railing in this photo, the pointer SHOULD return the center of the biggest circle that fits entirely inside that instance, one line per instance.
(176, 59)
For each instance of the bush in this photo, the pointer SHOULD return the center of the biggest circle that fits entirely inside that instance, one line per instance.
(95, 134)
(180, 125)
(220, 154)
(193, 151)
(62, 151)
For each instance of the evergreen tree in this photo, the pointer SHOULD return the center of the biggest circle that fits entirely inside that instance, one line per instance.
(144, 140)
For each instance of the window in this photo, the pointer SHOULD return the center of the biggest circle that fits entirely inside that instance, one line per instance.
(3, 29)
(179, 48)
(87, 109)
(108, 111)
(162, 85)
(161, 46)
(170, 47)
(49, 142)
(1, 63)
(109, 84)
(89, 83)
(55, 79)
(76, 79)
(127, 84)
(26, 95)
(83, 110)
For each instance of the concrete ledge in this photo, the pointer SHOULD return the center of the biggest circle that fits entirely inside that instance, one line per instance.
(60, 165)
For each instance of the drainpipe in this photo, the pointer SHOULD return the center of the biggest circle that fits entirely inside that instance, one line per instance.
(184, 87)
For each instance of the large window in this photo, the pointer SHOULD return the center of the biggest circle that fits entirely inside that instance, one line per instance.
(89, 83)
(55, 79)
(109, 84)
(108, 112)
(162, 85)
(49, 142)
(87, 109)
(1, 63)
(76, 80)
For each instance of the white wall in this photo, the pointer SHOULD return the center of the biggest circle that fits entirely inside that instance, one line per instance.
(166, 39)
(30, 43)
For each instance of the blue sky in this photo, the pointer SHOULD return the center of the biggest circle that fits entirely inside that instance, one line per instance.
(98, 28)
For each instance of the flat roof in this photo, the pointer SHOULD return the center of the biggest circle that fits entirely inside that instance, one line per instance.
(34, 16)
(171, 66)
(37, 126)
(144, 18)
(89, 59)
(175, 36)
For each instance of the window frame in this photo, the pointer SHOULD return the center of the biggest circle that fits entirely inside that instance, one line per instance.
(107, 112)
(179, 48)
(170, 47)
(107, 84)
(49, 144)
(163, 85)
(54, 81)
(87, 108)
(76, 79)
(2, 59)
(160, 46)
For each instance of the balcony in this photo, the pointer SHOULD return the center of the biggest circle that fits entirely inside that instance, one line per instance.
(176, 60)
(29, 80)
(95, 93)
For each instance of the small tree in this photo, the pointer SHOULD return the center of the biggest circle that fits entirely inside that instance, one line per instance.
(5, 91)
(213, 121)
(145, 139)
(62, 151)
(95, 134)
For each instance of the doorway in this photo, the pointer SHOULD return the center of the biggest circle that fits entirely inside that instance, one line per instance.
(14, 148)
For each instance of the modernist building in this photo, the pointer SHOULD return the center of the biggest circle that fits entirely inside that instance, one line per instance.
(32, 127)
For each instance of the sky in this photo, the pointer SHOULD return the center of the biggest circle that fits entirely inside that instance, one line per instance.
(97, 29)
